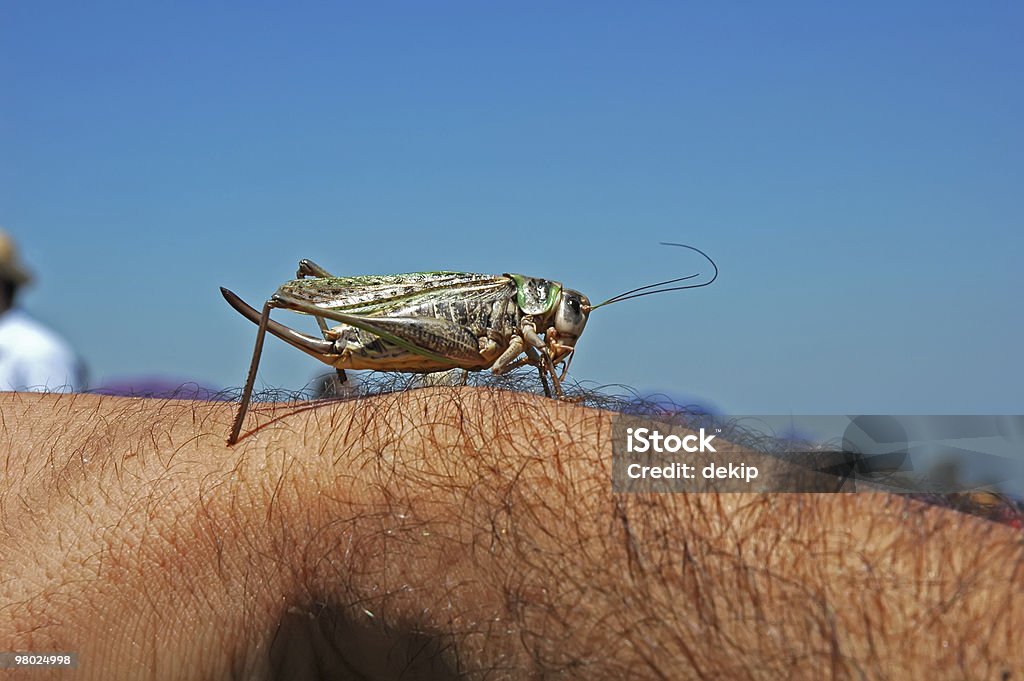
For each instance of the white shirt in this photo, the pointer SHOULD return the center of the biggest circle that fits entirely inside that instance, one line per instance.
(34, 358)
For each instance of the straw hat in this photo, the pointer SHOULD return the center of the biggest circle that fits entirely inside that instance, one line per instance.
(11, 268)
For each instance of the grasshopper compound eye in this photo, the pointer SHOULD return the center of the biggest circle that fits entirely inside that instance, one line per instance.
(571, 316)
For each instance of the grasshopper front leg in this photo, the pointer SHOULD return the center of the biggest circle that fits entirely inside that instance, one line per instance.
(540, 356)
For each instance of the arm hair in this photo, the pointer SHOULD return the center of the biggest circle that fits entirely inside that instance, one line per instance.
(461, 532)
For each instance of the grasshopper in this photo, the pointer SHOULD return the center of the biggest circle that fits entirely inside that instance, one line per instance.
(425, 322)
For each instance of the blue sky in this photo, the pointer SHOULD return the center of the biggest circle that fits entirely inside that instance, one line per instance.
(854, 169)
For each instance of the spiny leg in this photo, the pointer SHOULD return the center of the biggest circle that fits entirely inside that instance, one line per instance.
(554, 376)
(565, 366)
(534, 357)
(544, 366)
(548, 367)
(314, 347)
(505, 363)
(541, 357)
(243, 407)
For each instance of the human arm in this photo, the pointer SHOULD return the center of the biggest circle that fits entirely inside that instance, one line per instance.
(467, 530)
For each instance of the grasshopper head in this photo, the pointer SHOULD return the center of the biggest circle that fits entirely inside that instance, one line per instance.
(571, 316)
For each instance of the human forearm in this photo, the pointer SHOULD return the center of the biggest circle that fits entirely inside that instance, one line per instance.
(472, 522)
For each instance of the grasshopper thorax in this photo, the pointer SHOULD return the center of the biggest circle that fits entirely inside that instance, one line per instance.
(565, 310)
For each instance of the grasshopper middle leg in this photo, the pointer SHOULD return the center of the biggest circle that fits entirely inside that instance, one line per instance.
(508, 361)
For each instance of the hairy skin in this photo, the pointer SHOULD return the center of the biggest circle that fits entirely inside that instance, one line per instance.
(460, 533)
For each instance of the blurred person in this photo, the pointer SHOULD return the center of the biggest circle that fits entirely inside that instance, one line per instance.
(32, 357)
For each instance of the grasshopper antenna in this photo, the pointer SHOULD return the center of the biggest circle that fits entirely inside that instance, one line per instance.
(643, 290)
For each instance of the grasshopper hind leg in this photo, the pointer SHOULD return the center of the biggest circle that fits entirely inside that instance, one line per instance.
(308, 268)
(254, 366)
(322, 350)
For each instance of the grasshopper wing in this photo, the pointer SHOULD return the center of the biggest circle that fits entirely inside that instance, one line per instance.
(382, 294)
